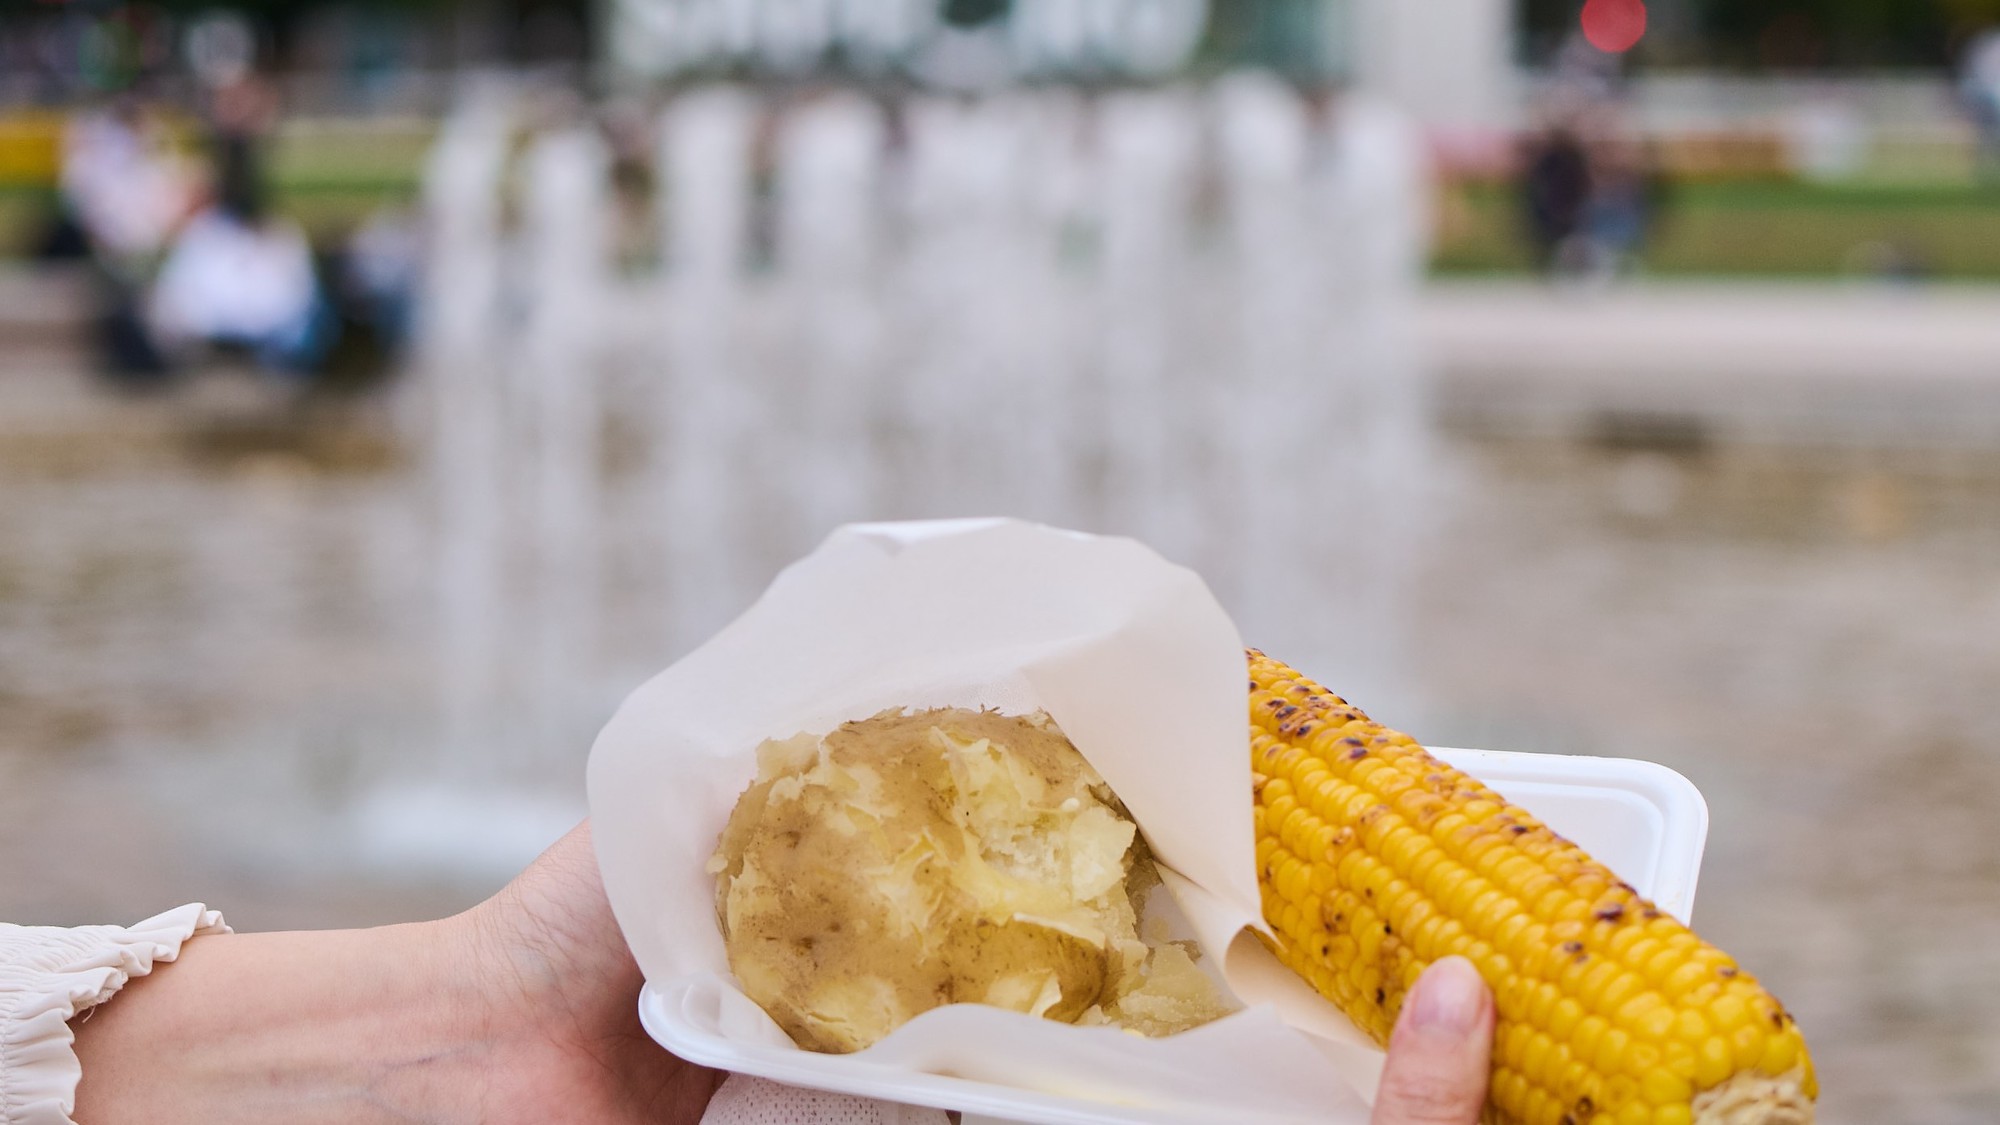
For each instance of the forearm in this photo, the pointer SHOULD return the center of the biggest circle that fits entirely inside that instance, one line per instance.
(349, 1026)
(521, 1011)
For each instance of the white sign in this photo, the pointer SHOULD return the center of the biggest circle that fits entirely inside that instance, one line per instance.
(1024, 39)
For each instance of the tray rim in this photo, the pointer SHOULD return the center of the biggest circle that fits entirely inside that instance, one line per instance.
(1680, 841)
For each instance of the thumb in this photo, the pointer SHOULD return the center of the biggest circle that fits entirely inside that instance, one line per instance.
(1439, 1053)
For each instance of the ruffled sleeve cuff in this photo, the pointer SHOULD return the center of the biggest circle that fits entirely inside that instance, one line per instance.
(47, 976)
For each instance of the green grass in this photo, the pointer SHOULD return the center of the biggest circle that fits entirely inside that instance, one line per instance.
(328, 175)
(331, 175)
(1772, 228)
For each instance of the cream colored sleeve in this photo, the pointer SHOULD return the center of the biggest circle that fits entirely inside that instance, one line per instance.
(48, 975)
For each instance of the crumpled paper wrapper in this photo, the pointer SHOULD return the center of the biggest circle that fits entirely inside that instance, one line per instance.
(1144, 672)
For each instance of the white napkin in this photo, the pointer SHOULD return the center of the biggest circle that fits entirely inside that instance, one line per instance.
(1144, 672)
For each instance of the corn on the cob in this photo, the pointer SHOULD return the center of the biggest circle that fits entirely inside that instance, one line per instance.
(1375, 859)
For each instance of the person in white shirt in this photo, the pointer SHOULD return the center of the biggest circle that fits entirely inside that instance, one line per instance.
(249, 283)
(237, 275)
(122, 184)
(522, 1010)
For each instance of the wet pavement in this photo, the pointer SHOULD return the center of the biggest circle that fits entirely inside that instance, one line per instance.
(1811, 634)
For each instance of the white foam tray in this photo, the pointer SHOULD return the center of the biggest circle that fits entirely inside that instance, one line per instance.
(1642, 820)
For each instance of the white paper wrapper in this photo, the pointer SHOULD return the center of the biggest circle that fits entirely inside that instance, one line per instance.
(1143, 671)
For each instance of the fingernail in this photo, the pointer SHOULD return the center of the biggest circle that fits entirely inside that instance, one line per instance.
(1449, 998)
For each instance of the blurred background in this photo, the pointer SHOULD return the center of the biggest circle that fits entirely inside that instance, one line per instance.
(387, 388)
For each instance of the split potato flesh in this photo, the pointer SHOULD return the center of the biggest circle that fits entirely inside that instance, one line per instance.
(913, 860)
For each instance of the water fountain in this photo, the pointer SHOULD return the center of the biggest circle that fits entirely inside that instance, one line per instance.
(516, 422)
(1182, 314)
(705, 458)
(829, 189)
(566, 248)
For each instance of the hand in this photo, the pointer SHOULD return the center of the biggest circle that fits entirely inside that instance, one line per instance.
(1440, 1050)
(522, 1010)
(566, 1006)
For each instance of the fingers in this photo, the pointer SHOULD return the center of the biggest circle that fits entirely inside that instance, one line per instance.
(1440, 1051)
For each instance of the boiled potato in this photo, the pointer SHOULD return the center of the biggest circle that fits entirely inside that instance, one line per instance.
(918, 859)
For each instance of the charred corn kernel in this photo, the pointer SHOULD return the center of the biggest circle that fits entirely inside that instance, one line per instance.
(1377, 860)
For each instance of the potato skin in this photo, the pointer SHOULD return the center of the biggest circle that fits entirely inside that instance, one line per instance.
(908, 861)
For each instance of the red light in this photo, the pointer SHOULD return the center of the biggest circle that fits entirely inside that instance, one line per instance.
(1614, 26)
